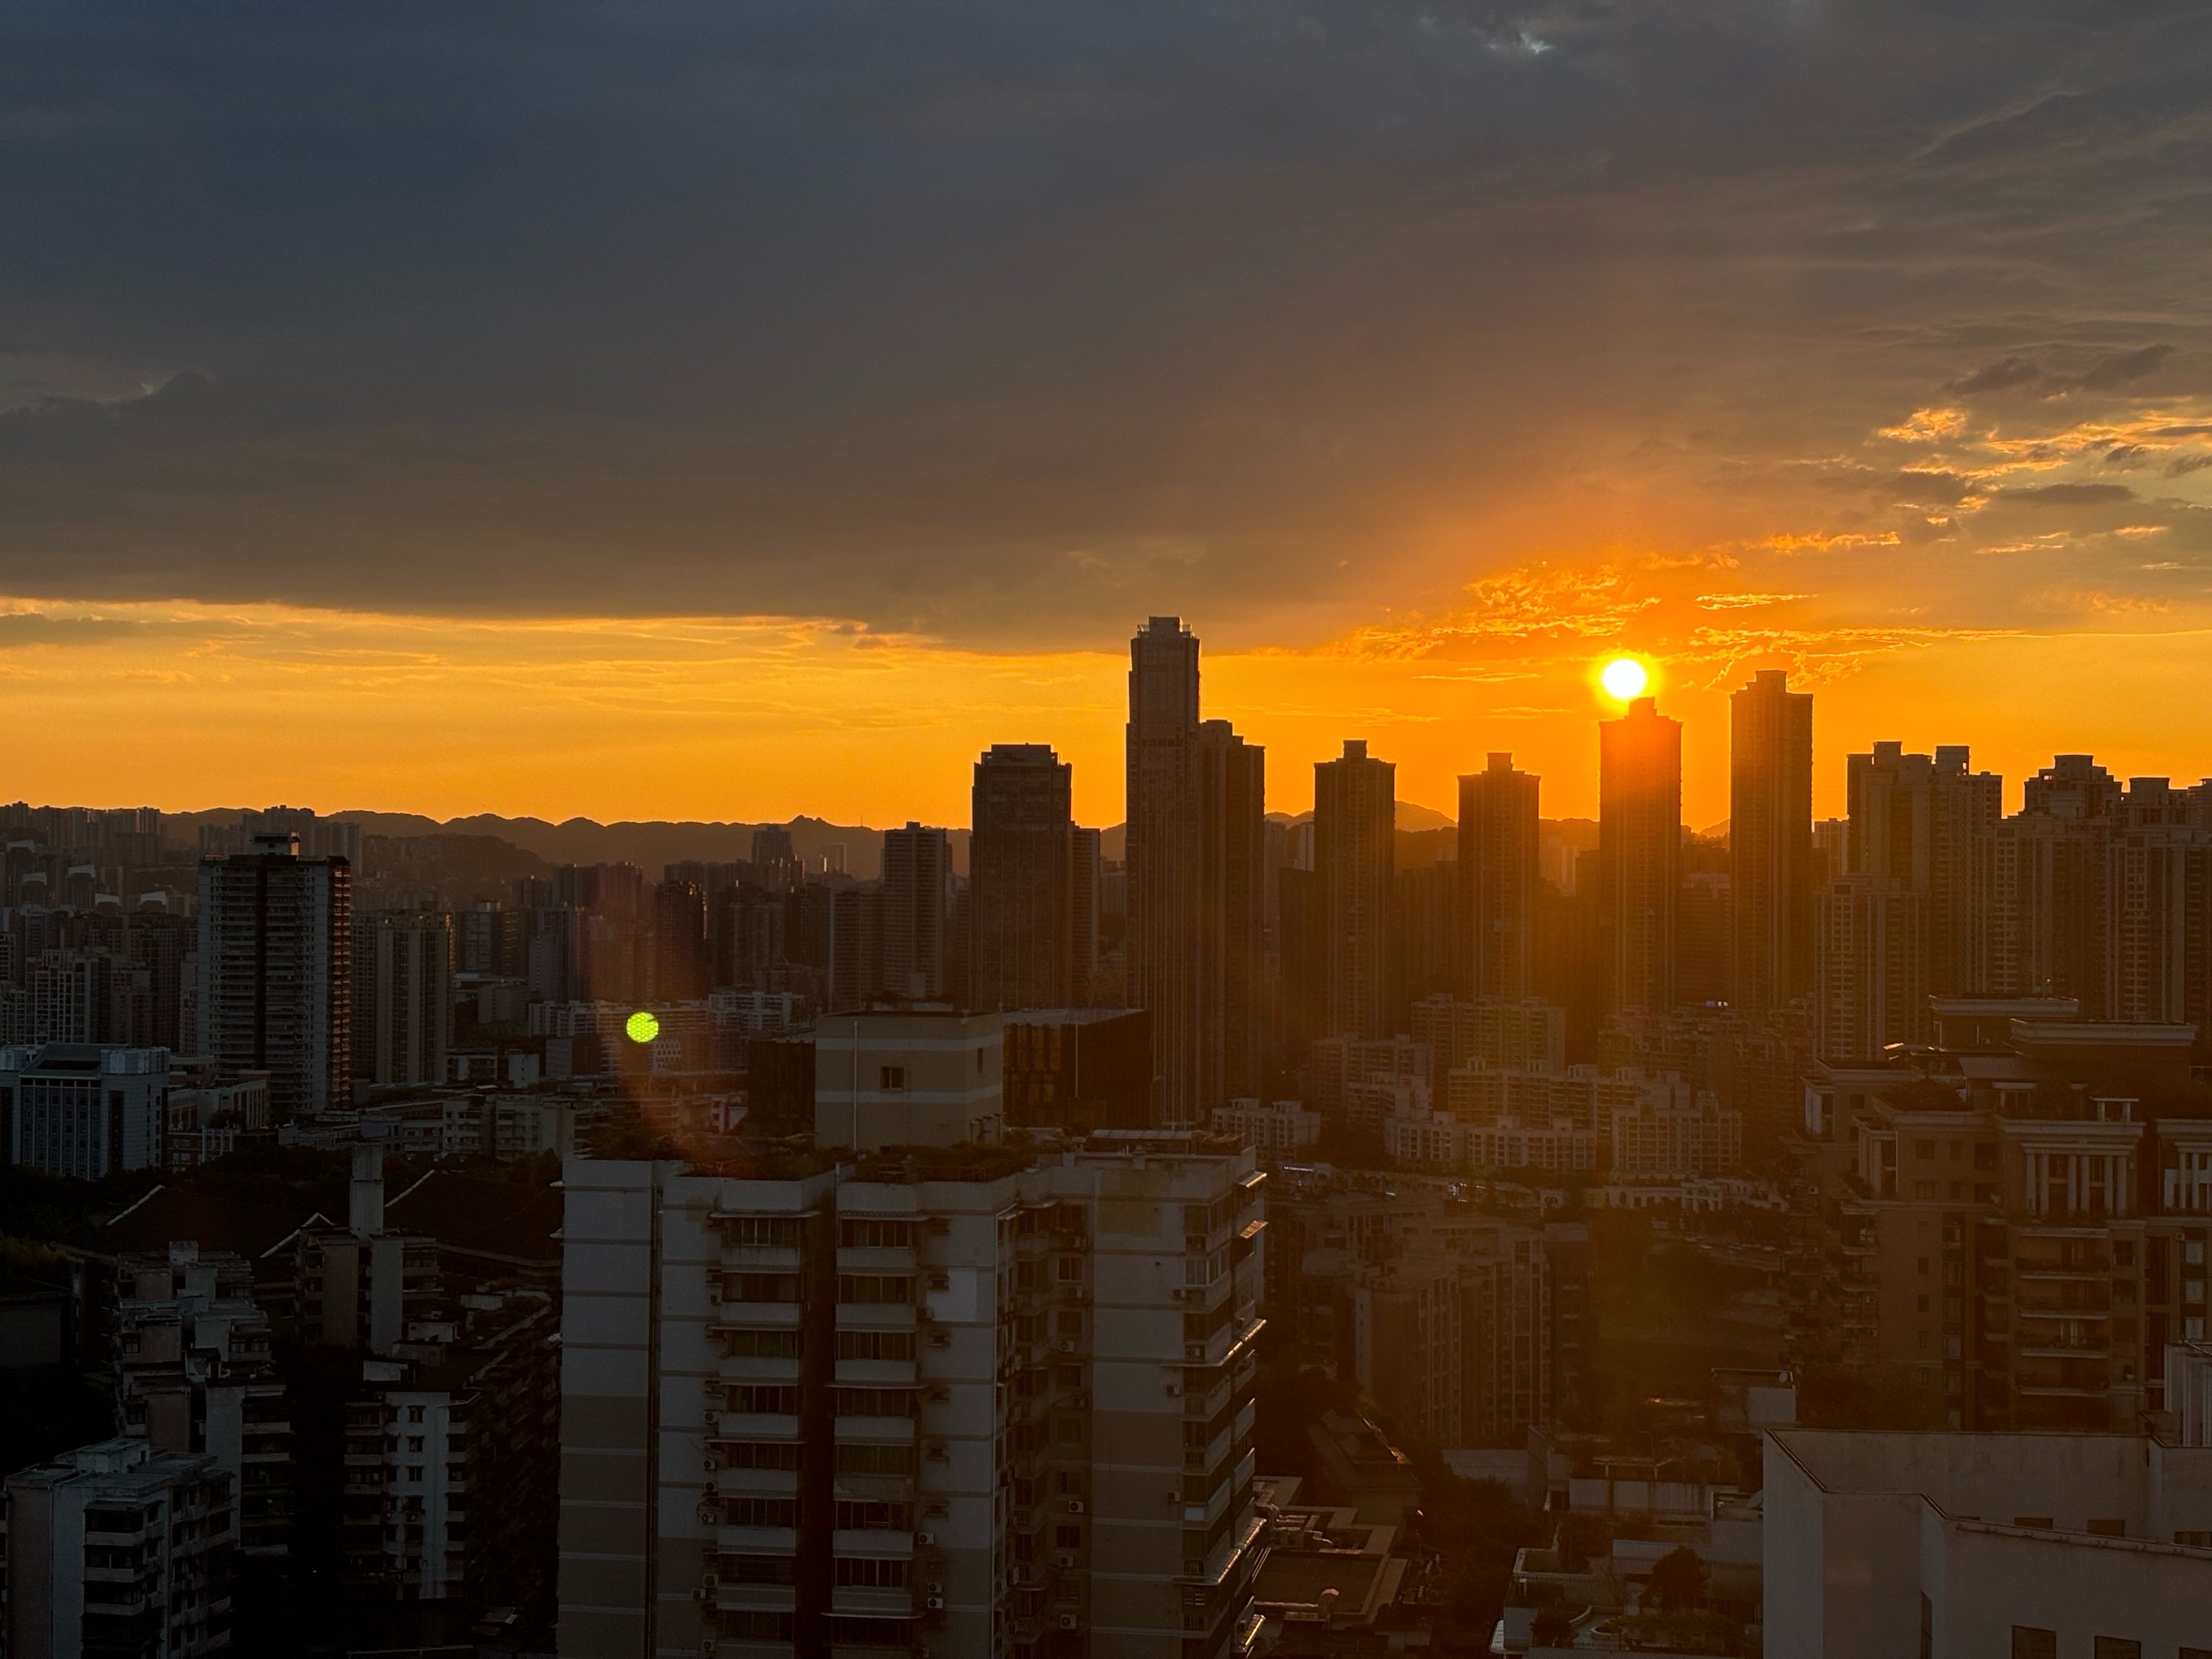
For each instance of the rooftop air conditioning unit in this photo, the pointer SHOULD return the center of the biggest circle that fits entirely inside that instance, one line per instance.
(936, 1604)
(1064, 1560)
(1075, 1506)
(1069, 1621)
(926, 1540)
(711, 1466)
(1174, 1389)
(1065, 1344)
(706, 1582)
(936, 1589)
(709, 1514)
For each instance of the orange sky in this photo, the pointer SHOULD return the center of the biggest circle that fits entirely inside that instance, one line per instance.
(186, 707)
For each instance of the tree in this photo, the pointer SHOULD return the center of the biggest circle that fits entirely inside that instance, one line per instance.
(1678, 1582)
(1551, 1628)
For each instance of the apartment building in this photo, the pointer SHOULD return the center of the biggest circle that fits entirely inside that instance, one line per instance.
(956, 1400)
(118, 1548)
(2022, 1232)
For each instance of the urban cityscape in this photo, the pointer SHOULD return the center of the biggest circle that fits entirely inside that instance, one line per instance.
(1224, 1232)
(1117, 830)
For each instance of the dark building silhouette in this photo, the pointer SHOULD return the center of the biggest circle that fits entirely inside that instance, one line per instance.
(916, 885)
(1233, 783)
(1639, 855)
(1770, 891)
(1498, 878)
(276, 971)
(1165, 954)
(1021, 896)
(1355, 827)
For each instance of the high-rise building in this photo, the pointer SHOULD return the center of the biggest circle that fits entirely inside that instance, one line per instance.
(402, 996)
(1639, 855)
(2157, 905)
(1233, 903)
(1165, 842)
(1769, 844)
(83, 1111)
(117, 1548)
(907, 1076)
(1021, 897)
(276, 971)
(942, 1401)
(917, 882)
(678, 966)
(1355, 829)
(1927, 821)
(1869, 933)
(1497, 877)
(1084, 900)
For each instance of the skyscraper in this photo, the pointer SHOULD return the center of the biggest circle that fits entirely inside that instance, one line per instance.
(402, 996)
(917, 872)
(1355, 828)
(1927, 821)
(276, 971)
(1233, 829)
(1770, 844)
(1497, 877)
(1021, 891)
(1165, 836)
(1639, 855)
(1090, 871)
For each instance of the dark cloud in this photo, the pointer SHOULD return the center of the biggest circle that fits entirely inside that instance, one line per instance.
(2125, 368)
(2069, 494)
(2182, 465)
(2125, 455)
(1929, 488)
(1007, 321)
(1997, 377)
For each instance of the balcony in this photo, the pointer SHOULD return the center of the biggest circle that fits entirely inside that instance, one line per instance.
(757, 1368)
(876, 1316)
(878, 1430)
(755, 1483)
(892, 1259)
(754, 1315)
(871, 1542)
(771, 1258)
(755, 1598)
(755, 1426)
(875, 1373)
(756, 1540)
(869, 1601)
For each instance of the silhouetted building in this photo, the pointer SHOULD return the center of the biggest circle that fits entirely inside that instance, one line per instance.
(1086, 900)
(1233, 784)
(1079, 1068)
(402, 996)
(1926, 821)
(1165, 954)
(276, 971)
(1355, 827)
(1639, 855)
(1771, 878)
(779, 1086)
(1498, 878)
(1869, 931)
(916, 890)
(1021, 897)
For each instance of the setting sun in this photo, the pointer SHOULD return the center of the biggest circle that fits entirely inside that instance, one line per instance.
(1624, 678)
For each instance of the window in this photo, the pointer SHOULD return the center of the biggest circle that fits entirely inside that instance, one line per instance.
(413, 1413)
(1923, 1266)
(2116, 1647)
(874, 1402)
(875, 1235)
(759, 1287)
(762, 1345)
(760, 1512)
(1985, 1155)
(762, 1455)
(1067, 1538)
(1067, 1322)
(760, 1231)
(779, 1401)
(2033, 1523)
(751, 1626)
(891, 1080)
(1923, 1302)
(760, 1569)
(856, 1517)
(871, 1572)
(874, 1288)
(1924, 1149)
(875, 1345)
(1069, 1269)
(2107, 1527)
(875, 1460)
(2030, 1642)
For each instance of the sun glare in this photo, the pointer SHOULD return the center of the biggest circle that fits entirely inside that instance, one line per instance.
(1624, 679)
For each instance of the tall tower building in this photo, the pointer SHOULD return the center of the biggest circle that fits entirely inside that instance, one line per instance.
(917, 877)
(1872, 988)
(1166, 875)
(1639, 855)
(1233, 780)
(402, 996)
(1769, 844)
(1021, 887)
(1497, 877)
(1090, 872)
(276, 971)
(1355, 829)
(1928, 821)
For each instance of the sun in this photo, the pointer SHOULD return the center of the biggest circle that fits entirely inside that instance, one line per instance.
(643, 1026)
(1624, 679)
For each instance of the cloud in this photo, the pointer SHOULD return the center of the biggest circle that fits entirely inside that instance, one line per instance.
(2181, 465)
(1996, 377)
(2124, 368)
(2069, 494)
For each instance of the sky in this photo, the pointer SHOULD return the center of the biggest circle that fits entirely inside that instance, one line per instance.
(677, 409)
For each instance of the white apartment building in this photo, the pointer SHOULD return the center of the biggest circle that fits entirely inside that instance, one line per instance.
(1986, 1545)
(117, 1548)
(959, 1401)
(83, 1109)
(908, 1077)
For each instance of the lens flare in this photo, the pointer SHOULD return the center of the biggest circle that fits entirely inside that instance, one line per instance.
(1624, 679)
(642, 1026)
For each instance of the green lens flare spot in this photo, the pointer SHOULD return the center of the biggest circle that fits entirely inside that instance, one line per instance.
(642, 1027)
